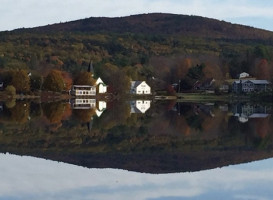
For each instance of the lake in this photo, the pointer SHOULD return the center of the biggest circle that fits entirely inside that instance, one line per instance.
(137, 149)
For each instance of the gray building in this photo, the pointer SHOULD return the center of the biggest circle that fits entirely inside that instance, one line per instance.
(247, 86)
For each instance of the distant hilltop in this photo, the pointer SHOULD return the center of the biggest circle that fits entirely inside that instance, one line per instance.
(159, 23)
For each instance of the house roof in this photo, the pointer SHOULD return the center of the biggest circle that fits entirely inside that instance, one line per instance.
(134, 109)
(257, 82)
(244, 73)
(99, 81)
(90, 67)
(134, 84)
(83, 86)
(259, 115)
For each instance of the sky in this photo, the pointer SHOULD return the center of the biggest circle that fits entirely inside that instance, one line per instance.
(27, 178)
(31, 13)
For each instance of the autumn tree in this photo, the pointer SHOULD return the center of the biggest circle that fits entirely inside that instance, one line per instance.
(67, 80)
(116, 78)
(20, 80)
(182, 68)
(212, 71)
(262, 69)
(84, 78)
(10, 90)
(54, 81)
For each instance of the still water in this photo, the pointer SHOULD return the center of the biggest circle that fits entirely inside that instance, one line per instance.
(135, 150)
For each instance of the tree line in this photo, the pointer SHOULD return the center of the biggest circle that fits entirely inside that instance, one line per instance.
(22, 81)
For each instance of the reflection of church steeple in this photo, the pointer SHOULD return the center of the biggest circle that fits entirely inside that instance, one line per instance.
(90, 125)
(91, 68)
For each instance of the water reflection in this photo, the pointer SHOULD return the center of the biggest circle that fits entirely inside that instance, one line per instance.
(31, 178)
(140, 106)
(246, 111)
(163, 137)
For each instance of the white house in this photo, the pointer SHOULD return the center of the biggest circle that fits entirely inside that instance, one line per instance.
(243, 75)
(140, 106)
(140, 87)
(102, 87)
(83, 90)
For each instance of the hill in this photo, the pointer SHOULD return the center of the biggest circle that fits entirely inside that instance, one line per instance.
(158, 45)
(159, 23)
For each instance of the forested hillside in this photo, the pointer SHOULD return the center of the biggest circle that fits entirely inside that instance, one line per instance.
(164, 46)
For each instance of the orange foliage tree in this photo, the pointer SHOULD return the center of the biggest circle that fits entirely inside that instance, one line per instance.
(67, 80)
(54, 81)
(262, 69)
(84, 78)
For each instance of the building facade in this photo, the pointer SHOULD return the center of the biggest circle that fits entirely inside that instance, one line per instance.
(83, 103)
(247, 86)
(102, 87)
(140, 87)
(243, 75)
(83, 90)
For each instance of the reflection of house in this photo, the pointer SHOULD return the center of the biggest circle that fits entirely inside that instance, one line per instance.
(204, 108)
(207, 84)
(101, 108)
(83, 103)
(243, 75)
(224, 87)
(247, 111)
(102, 88)
(223, 108)
(140, 106)
(1, 85)
(140, 87)
(83, 90)
(247, 86)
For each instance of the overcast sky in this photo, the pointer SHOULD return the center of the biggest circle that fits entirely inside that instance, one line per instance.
(30, 13)
(24, 178)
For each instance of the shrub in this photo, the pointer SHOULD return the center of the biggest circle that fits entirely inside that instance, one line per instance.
(10, 90)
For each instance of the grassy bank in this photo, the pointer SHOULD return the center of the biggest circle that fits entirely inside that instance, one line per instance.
(197, 97)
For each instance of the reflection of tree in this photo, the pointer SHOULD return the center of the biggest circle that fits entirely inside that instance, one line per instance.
(195, 122)
(84, 115)
(262, 127)
(67, 112)
(117, 115)
(54, 111)
(18, 113)
(35, 110)
(10, 103)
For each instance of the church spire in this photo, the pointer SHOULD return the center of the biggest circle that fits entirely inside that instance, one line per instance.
(91, 68)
